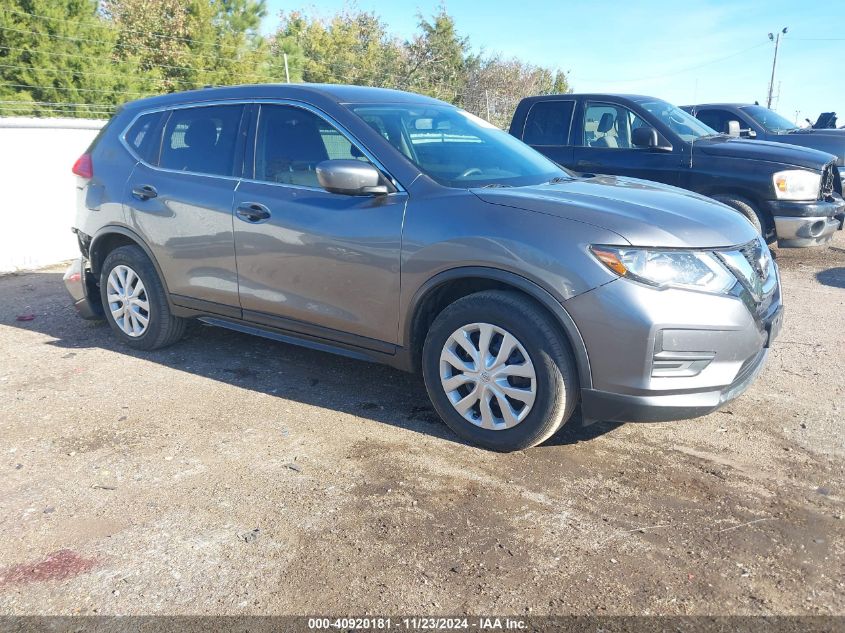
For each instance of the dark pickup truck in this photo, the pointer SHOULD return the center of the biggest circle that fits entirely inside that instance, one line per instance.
(756, 122)
(791, 194)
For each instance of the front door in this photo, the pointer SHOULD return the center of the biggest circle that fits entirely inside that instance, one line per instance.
(321, 263)
(605, 147)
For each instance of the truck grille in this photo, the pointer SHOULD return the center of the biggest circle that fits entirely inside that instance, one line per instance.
(826, 190)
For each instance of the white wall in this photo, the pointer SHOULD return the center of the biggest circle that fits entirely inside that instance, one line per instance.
(38, 190)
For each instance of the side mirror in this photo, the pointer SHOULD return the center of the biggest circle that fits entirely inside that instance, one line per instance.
(733, 129)
(749, 133)
(644, 136)
(351, 178)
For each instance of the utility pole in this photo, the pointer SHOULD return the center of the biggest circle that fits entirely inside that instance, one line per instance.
(776, 40)
(287, 73)
(487, 98)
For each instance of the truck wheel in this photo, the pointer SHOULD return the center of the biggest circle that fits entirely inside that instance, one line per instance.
(135, 302)
(499, 371)
(747, 210)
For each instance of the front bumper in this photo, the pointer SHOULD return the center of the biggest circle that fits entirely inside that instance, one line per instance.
(614, 407)
(82, 287)
(807, 223)
(658, 355)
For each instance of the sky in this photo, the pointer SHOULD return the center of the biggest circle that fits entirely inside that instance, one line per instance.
(682, 51)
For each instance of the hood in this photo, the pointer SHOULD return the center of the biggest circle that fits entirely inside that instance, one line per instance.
(641, 212)
(780, 153)
(830, 141)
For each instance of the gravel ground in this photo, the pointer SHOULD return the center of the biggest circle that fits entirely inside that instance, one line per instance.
(233, 475)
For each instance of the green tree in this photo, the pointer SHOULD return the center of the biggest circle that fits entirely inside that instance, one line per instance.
(182, 44)
(437, 59)
(350, 47)
(52, 55)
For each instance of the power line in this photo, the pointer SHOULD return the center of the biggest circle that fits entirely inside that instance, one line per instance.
(679, 71)
(81, 73)
(60, 103)
(76, 89)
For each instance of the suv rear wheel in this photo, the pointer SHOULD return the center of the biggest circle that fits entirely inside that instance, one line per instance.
(498, 371)
(134, 301)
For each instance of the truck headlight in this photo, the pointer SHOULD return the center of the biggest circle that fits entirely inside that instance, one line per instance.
(797, 184)
(691, 270)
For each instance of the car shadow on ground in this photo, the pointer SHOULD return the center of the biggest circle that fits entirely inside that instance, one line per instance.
(832, 277)
(277, 369)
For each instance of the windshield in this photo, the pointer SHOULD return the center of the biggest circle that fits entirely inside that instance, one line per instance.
(456, 148)
(681, 123)
(769, 119)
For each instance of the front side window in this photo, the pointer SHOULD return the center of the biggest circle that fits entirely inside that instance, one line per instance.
(202, 140)
(548, 123)
(291, 142)
(769, 119)
(609, 126)
(457, 149)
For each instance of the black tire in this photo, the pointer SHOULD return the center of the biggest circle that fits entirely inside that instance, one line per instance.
(163, 328)
(549, 352)
(744, 207)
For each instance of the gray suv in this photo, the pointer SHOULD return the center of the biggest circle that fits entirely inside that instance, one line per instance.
(396, 228)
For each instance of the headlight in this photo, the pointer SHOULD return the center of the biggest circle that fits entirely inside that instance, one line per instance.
(693, 270)
(797, 184)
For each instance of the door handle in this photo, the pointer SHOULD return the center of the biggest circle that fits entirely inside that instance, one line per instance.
(252, 212)
(144, 192)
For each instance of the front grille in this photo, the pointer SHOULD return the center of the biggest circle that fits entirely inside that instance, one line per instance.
(826, 190)
(758, 258)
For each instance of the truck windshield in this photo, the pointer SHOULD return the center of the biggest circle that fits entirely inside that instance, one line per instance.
(681, 123)
(769, 119)
(456, 148)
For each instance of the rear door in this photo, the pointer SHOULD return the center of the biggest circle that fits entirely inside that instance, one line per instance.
(319, 263)
(180, 201)
(547, 128)
(603, 145)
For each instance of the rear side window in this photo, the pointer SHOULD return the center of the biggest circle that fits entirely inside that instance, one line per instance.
(142, 137)
(202, 140)
(548, 123)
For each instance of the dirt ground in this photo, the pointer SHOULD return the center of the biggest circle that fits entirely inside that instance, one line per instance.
(233, 475)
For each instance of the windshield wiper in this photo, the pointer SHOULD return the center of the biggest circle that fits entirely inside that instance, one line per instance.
(495, 185)
(559, 179)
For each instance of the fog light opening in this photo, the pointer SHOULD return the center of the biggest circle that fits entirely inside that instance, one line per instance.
(816, 228)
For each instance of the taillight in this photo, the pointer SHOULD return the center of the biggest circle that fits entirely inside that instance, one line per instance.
(83, 166)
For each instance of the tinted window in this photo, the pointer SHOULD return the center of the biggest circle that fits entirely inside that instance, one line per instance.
(548, 123)
(457, 149)
(609, 126)
(291, 142)
(717, 119)
(142, 137)
(202, 140)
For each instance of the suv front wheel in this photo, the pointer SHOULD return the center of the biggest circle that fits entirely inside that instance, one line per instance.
(135, 302)
(499, 371)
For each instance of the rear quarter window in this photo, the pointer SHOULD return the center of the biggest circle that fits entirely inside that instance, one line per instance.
(144, 137)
